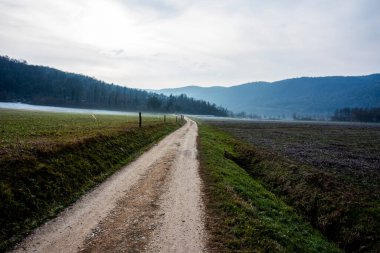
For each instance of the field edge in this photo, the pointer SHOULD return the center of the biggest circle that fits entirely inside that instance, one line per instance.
(242, 216)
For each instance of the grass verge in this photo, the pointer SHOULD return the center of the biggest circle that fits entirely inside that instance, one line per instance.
(37, 185)
(242, 216)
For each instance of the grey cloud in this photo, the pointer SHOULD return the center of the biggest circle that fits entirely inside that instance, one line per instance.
(157, 9)
(118, 51)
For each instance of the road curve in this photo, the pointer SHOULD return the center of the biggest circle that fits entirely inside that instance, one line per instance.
(153, 204)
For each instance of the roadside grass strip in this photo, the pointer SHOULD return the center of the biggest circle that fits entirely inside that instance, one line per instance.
(242, 216)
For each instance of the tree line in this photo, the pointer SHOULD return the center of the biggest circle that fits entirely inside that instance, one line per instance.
(40, 85)
(357, 114)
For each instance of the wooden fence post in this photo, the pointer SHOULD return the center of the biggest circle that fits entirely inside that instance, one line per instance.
(140, 119)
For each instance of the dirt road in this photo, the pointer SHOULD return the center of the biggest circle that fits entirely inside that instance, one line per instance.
(152, 205)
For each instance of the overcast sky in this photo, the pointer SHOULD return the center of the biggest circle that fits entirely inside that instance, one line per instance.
(172, 43)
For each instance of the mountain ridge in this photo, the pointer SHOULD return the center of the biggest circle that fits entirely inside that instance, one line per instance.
(302, 95)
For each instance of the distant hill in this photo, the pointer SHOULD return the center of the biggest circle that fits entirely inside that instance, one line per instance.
(39, 85)
(304, 96)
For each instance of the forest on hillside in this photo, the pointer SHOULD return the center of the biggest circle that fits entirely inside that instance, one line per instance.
(357, 114)
(40, 85)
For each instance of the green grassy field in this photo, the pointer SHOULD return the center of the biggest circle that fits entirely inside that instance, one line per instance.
(329, 174)
(48, 160)
(242, 215)
(22, 131)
